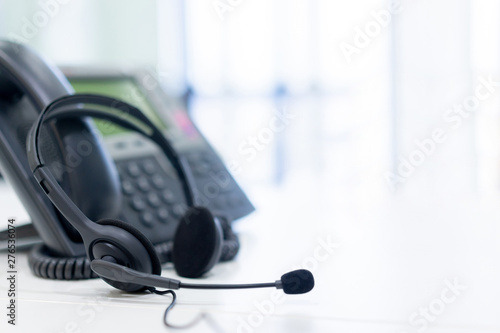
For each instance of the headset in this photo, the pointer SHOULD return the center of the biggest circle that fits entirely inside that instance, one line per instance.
(120, 254)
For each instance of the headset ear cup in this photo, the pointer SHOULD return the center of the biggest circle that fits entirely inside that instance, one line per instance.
(197, 243)
(155, 261)
(143, 239)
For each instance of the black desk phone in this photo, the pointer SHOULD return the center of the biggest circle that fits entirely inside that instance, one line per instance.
(125, 175)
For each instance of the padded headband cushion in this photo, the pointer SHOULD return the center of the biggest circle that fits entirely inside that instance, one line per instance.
(155, 261)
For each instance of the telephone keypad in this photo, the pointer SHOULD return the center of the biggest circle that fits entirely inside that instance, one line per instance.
(154, 199)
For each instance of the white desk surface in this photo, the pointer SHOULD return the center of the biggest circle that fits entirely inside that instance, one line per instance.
(393, 257)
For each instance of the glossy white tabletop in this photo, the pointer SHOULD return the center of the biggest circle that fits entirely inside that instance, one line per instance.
(413, 261)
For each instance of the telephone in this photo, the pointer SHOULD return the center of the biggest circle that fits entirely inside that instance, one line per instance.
(130, 177)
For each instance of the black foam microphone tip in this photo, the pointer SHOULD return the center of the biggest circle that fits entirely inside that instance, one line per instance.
(300, 281)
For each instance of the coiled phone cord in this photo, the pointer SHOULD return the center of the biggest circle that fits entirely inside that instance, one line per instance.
(44, 263)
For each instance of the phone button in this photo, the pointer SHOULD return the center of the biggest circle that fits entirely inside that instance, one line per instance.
(133, 169)
(202, 169)
(143, 184)
(147, 219)
(154, 199)
(163, 215)
(178, 210)
(149, 167)
(168, 196)
(158, 181)
(127, 187)
(137, 203)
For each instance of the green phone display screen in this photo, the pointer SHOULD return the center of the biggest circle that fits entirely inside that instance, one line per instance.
(122, 88)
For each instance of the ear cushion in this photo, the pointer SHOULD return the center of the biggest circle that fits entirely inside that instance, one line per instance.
(155, 262)
(197, 243)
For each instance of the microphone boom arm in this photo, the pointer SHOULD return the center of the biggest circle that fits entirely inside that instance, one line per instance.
(295, 282)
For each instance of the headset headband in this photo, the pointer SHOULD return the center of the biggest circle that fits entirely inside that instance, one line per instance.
(127, 116)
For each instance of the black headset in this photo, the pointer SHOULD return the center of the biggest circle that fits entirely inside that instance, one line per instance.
(120, 254)
(198, 240)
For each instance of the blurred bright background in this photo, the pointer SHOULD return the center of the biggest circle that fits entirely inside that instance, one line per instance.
(362, 86)
(393, 131)
(244, 61)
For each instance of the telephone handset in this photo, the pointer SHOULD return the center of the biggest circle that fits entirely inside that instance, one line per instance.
(130, 177)
(27, 85)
